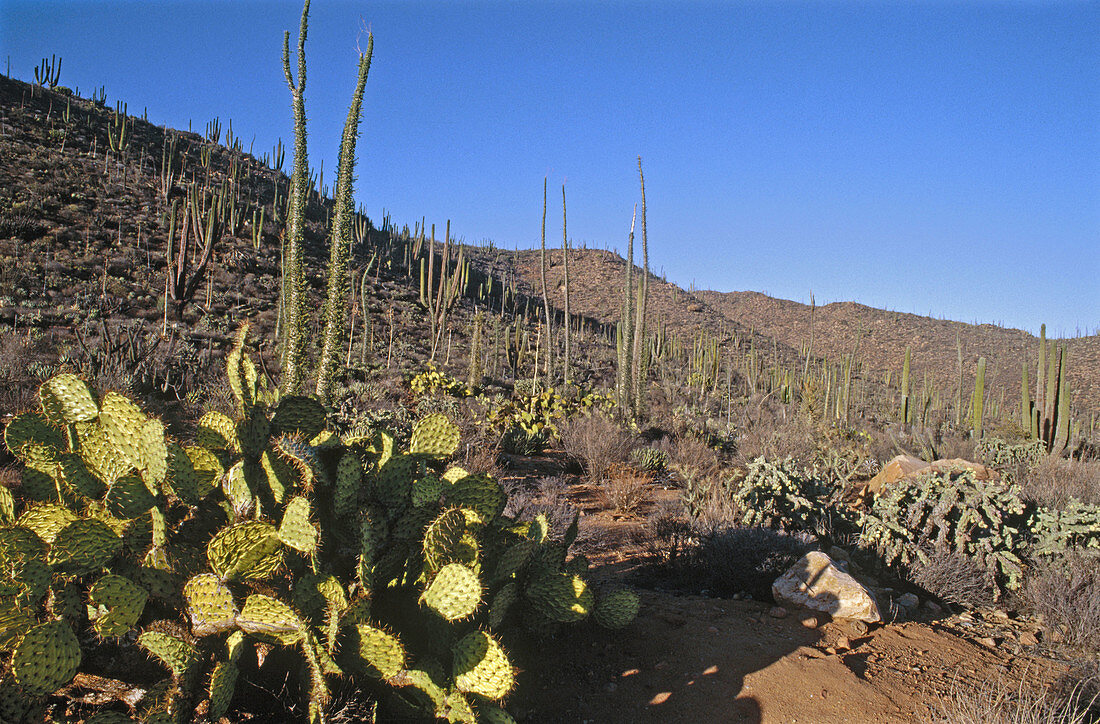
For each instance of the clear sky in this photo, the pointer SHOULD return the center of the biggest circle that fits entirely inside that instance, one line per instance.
(940, 158)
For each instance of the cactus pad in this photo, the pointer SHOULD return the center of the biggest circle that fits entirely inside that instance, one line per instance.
(296, 531)
(115, 606)
(616, 609)
(442, 538)
(46, 520)
(501, 604)
(349, 476)
(217, 432)
(380, 653)
(180, 657)
(223, 685)
(129, 497)
(46, 658)
(209, 604)
(480, 497)
(67, 399)
(434, 435)
(246, 550)
(561, 597)
(15, 621)
(208, 469)
(454, 593)
(31, 428)
(394, 480)
(298, 413)
(481, 666)
(103, 459)
(76, 475)
(270, 618)
(83, 546)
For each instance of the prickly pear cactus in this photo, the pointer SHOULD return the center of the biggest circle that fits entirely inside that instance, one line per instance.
(1075, 527)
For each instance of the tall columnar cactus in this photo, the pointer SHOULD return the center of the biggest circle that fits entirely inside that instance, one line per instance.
(200, 230)
(623, 379)
(905, 410)
(340, 242)
(977, 401)
(567, 362)
(546, 299)
(292, 302)
(48, 72)
(639, 358)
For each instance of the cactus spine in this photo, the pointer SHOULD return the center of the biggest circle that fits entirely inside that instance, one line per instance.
(292, 296)
(336, 306)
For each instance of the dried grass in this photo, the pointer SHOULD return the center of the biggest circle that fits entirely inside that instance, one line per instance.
(596, 442)
(995, 701)
(625, 490)
(1065, 592)
(954, 578)
(1055, 480)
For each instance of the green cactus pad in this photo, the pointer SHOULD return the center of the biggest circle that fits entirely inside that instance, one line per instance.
(18, 544)
(253, 432)
(394, 480)
(15, 621)
(217, 432)
(442, 538)
(47, 520)
(301, 460)
(180, 657)
(379, 653)
(270, 618)
(539, 531)
(153, 450)
(454, 474)
(103, 459)
(123, 423)
(246, 550)
(349, 478)
(79, 478)
(115, 606)
(67, 399)
(501, 604)
(223, 685)
(456, 709)
(31, 428)
(426, 490)
(83, 546)
(514, 558)
(181, 478)
(208, 469)
(7, 506)
(479, 495)
(412, 524)
(15, 704)
(561, 597)
(481, 666)
(435, 436)
(237, 488)
(454, 593)
(129, 497)
(296, 531)
(489, 714)
(46, 658)
(616, 609)
(298, 414)
(210, 605)
(65, 600)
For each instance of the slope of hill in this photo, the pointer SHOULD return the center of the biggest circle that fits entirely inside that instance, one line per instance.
(882, 337)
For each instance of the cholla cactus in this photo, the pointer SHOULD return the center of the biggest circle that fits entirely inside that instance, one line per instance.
(953, 511)
(1076, 526)
(776, 495)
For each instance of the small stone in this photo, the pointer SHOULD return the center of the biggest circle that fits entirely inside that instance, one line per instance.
(988, 642)
(809, 622)
(1028, 639)
(712, 629)
(860, 627)
(933, 608)
(843, 644)
(660, 698)
(908, 600)
(777, 612)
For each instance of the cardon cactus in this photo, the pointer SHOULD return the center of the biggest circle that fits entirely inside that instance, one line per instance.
(369, 563)
(955, 512)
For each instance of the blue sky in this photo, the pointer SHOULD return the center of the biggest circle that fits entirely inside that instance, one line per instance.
(940, 158)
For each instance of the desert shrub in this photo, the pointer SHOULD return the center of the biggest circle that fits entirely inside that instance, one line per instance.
(547, 496)
(748, 558)
(691, 456)
(671, 540)
(1065, 591)
(953, 511)
(624, 490)
(996, 701)
(595, 441)
(1054, 481)
(954, 578)
(518, 440)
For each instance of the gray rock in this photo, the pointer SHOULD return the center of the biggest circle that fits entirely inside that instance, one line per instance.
(908, 600)
(817, 583)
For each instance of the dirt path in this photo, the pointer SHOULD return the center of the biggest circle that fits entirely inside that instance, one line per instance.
(696, 659)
